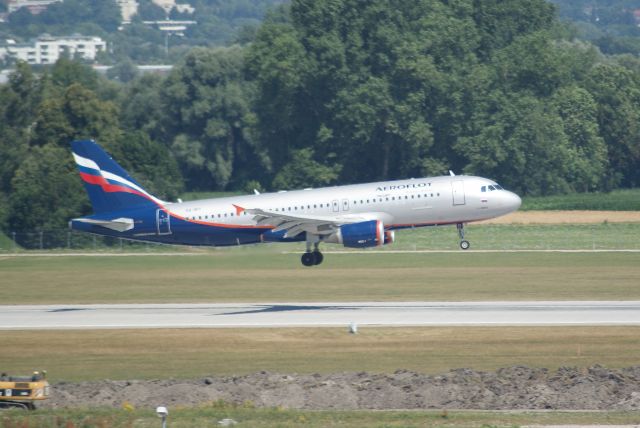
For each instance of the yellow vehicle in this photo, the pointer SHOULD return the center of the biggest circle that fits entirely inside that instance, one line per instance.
(23, 391)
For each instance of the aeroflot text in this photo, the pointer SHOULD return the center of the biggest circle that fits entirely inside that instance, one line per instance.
(402, 186)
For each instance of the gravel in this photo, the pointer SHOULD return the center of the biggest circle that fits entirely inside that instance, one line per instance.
(518, 387)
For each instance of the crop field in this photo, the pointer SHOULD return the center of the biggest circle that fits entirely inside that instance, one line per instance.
(622, 200)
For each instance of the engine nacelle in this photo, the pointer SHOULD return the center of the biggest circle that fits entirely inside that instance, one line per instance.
(389, 237)
(359, 235)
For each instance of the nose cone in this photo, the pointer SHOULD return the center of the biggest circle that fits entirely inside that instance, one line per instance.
(512, 202)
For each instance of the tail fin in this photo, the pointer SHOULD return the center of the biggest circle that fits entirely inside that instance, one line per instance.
(110, 187)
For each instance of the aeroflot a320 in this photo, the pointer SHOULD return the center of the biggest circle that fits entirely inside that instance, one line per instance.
(356, 216)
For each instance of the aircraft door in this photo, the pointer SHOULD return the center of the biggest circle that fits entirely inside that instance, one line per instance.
(457, 188)
(336, 205)
(163, 222)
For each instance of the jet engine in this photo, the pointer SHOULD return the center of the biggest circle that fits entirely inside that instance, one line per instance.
(369, 233)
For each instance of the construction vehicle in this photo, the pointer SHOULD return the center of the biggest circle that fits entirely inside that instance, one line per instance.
(23, 391)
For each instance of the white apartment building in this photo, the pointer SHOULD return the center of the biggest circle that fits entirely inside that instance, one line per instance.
(128, 8)
(34, 6)
(47, 49)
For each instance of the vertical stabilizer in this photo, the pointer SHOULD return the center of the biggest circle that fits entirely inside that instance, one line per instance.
(110, 187)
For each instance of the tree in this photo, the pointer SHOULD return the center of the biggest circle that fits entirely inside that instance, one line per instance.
(207, 101)
(616, 91)
(46, 191)
(303, 171)
(78, 114)
(588, 152)
(66, 72)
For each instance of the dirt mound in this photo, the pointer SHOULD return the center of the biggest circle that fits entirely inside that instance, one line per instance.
(595, 388)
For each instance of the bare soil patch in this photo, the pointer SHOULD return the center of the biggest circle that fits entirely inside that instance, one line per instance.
(519, 387)
(567, 217)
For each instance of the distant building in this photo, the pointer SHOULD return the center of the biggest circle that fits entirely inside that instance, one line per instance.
(128, 8)
(171, 26)
(34, 6)
(47, 49)
(167, 5)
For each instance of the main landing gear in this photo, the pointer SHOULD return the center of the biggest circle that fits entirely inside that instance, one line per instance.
(464, 244)
(312, 258)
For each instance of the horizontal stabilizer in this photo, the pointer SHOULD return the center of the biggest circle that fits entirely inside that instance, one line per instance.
(118, 224)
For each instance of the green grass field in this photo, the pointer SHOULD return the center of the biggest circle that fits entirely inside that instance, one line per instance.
(482, 237)
(260, 274)
(210, 415)
(76, 355)
(617, 200)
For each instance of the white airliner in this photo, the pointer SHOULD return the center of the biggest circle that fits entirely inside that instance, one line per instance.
(356, 216)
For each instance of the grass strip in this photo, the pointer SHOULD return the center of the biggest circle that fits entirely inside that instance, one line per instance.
(254, 275)
(194, 353)
(211, 414)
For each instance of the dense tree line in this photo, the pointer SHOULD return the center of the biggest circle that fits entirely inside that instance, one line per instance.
(336, 91)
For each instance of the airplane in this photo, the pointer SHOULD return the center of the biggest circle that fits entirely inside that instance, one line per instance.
(355, 216)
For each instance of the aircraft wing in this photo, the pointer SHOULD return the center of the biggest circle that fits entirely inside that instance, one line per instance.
(298, 223)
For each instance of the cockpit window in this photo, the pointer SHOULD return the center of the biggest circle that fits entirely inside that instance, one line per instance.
(499, 187)
(483, 189)
(491, 188)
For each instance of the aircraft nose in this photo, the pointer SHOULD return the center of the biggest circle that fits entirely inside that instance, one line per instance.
(513, 201)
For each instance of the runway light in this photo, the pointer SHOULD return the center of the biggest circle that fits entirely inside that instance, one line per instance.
(163, 413)
(353, 328)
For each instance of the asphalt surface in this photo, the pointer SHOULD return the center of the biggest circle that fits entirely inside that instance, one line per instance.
(121, 316)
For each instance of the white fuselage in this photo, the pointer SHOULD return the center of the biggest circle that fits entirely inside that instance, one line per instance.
(398, 204)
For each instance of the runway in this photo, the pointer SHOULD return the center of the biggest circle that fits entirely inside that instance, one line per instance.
(124, 316)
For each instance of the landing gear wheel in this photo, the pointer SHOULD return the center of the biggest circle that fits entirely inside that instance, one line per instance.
(308, 259)
(317, 255)
(464, 245)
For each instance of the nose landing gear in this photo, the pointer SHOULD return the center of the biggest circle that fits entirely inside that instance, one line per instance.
(464, 244)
